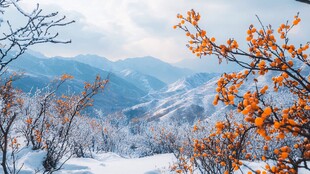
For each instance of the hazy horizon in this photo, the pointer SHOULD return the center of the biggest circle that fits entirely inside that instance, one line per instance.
(135, 28)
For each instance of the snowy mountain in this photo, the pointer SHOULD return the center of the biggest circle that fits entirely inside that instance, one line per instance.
(154, 67)
(96, 61)
(191, 82)
(144, 82)
(144, 65)
(185, 100)
(119, 93)
(130, 80)
(132, 93)
(149, 72)
(191, 98)
(142, 72)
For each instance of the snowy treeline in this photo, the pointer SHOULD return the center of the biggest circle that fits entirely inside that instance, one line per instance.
(59, 127)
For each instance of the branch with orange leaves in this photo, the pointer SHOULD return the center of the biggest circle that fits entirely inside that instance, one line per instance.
(265, 53)
(221, 151)
(268, 52)
(37, 119)
(67, 109)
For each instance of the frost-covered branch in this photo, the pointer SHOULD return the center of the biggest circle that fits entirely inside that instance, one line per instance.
(37, 30)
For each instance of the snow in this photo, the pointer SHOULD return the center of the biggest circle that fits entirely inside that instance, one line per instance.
(107, 163)
(110, 163)
(127, 72)
(258, 165)
(182, 99)
(30, 160)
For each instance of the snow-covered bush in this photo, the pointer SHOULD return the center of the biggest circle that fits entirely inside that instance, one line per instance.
(63, 118)
(15, 40)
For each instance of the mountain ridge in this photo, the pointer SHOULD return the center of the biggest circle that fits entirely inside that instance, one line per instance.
(40, 72)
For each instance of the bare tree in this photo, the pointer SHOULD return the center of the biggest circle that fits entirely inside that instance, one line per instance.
(37, 30)
(13, 43)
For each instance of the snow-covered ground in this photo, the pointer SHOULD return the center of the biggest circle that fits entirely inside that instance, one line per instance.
(105, 163)
(110, 163)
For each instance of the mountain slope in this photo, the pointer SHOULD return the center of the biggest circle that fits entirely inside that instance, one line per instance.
(144, 82)
(184, 100)
(191, 82)
(38, 72)
(191, 99)
(96, 61)
(154, 67)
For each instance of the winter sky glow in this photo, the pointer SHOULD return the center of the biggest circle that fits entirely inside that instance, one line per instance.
(118, 29)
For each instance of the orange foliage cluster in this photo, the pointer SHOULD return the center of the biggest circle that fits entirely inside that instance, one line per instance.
(219, 152)
(66, 77)
(268, 52)
(59, 110)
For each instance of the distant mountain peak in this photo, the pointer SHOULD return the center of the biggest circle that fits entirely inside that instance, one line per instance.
(154, 67)
(144, 59)
(91, 56)
(191, 81)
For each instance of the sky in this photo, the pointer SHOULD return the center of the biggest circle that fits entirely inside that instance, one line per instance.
(118, 29)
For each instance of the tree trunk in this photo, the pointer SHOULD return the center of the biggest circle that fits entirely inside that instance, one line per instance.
(4, 154)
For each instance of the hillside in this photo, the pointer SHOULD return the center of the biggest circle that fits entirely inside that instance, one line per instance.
(40, 72)
(154, 67)
(185, 100)
(145, 65)
(191, 98)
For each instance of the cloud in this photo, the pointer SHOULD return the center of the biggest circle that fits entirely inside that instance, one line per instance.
(129, 28)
